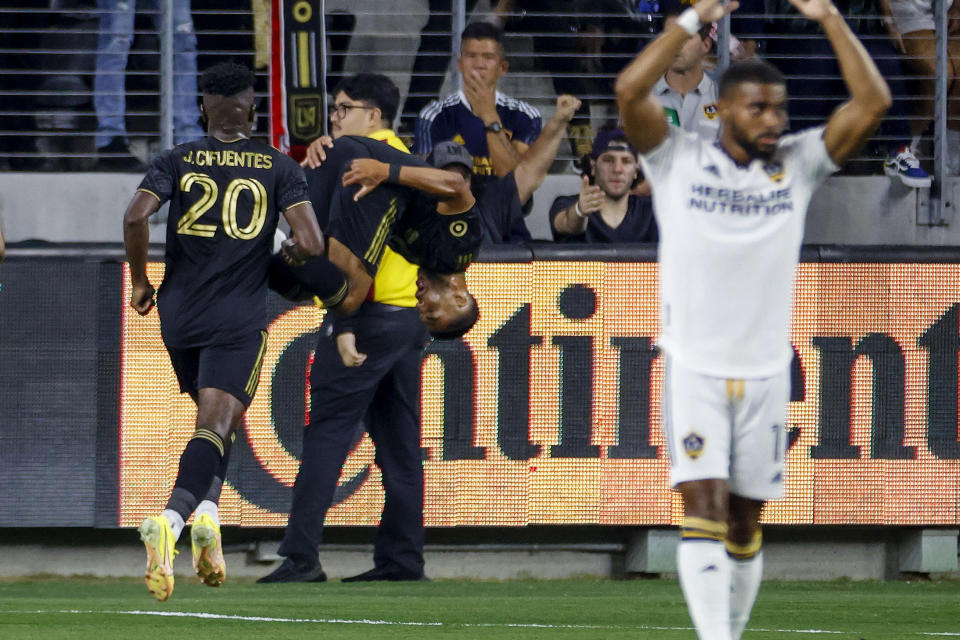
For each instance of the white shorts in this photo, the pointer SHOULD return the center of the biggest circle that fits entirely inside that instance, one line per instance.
(719, 428)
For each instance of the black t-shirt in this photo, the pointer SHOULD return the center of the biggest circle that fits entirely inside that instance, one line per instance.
(501, 212)
(637, 226)
(225, 202)
(437, 243)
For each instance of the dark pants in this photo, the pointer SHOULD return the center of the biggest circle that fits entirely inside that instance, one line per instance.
(385, 389)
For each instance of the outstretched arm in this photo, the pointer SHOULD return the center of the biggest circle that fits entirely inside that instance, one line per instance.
(136, 240)
(450, 187)
(855, 121)
(533, 168)
(642, 114)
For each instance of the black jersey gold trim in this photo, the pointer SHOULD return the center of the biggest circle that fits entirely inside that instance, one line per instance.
(150, 192)
(375, 251)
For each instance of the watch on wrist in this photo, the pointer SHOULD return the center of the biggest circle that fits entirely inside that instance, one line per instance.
(494, 127)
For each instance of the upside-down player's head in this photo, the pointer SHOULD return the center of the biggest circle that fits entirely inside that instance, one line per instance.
(446, 307)
(228, 101)
(753, 107)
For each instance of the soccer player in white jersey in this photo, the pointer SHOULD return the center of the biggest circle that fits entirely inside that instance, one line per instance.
(731, 216)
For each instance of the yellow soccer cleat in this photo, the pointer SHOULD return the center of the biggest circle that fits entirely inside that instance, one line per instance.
(207, 550)
(157, 537)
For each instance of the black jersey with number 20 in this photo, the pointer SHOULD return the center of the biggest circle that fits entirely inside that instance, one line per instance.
(225, 202)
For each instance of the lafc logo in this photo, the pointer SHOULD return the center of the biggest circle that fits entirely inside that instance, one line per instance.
(693, 445)
(774, 170)
(458, 228)
(710, 111)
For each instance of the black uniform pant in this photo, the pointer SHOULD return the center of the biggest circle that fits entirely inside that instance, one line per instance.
(385, 390)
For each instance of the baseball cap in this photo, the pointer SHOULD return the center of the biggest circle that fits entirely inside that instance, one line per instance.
(611, 140)
(451, 152)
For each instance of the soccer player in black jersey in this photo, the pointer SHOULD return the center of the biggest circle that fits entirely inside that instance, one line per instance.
(367, 195)
(226, 193)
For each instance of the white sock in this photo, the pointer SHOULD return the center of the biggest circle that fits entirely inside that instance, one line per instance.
(704, 569)
(209, 507)
(744, 585)
(952, 151)
(176, 522)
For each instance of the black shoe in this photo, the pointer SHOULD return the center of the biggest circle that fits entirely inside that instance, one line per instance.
(390, 575)
(289, 571)
(116, 157)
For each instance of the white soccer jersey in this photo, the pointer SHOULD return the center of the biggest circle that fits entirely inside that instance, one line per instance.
(697, 111)
(729, 243)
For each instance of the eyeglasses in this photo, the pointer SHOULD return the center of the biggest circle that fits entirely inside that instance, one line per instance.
(342, 109)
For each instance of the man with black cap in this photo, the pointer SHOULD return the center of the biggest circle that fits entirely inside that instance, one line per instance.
(500, 202)
(605, 210)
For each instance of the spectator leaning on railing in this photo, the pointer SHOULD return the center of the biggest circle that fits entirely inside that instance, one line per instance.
(800, 51)
(113, 50)
(605, 210)
(911, 27)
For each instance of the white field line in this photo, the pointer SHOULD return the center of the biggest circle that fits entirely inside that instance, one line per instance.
(220, 616)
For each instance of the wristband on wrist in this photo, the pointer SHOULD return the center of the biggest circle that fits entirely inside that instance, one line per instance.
(394, 174)
(576, 209)
(689, 21)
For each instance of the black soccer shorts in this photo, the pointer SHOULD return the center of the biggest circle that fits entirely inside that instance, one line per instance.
(233, 367)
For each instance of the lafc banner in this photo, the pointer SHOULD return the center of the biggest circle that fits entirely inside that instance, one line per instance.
(297, 106)
(548, 411)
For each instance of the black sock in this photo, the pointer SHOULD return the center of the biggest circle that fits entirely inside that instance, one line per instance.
(200, 460)
(213, 493)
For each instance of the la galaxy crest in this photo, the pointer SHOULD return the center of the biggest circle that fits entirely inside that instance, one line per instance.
(774, 171)
(710, 111)
(693, 445)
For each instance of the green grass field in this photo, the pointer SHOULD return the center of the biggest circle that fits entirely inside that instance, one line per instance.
(95, 609)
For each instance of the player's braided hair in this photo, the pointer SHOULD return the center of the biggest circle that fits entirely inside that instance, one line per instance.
(461, 325)
(226, 79)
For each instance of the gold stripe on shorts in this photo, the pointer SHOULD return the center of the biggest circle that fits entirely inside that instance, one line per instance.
(254, 378)
(735, 389)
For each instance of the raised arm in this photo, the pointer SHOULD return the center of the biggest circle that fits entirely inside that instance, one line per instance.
(533, 168)
(505, 153)
(136, 240)
(642, 114)
(855, 121)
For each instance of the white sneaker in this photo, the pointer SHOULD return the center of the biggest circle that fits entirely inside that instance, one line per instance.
(906, 166)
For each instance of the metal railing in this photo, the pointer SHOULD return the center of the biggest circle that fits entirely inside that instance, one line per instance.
(48, 57)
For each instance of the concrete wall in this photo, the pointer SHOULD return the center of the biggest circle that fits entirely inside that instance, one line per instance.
(88, 207)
